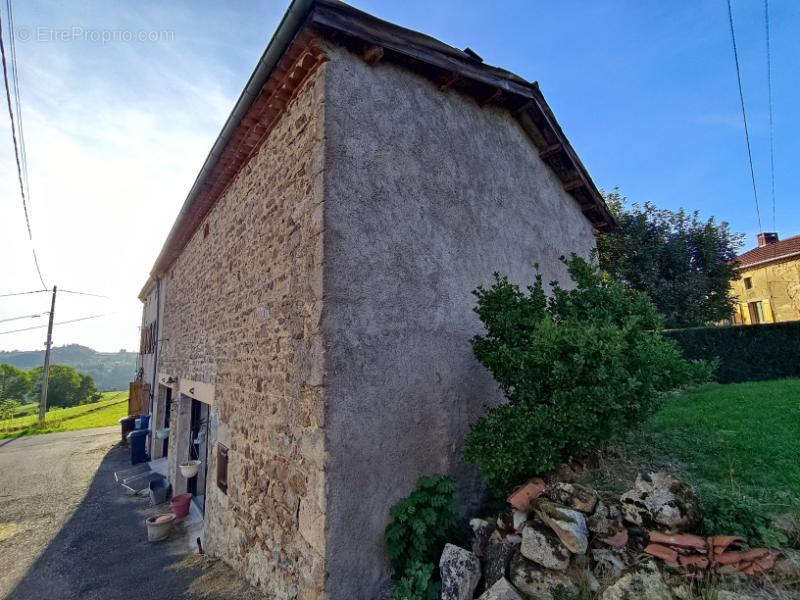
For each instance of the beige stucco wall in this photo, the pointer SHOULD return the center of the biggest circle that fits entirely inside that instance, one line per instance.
(776, 285)
(242, 314)
(426, 195)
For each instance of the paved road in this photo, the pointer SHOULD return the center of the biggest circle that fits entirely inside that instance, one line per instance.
(67, 531)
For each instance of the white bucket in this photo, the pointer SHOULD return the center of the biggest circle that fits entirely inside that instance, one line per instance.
(159, 531)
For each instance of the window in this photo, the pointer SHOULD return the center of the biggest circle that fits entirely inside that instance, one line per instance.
(748, 283)
(222, 468)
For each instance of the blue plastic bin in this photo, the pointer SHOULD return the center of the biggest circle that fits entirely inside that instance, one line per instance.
(143, 422)
(137, 440)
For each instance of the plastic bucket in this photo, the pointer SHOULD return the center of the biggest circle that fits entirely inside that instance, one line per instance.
(159, 491)
(180, 505)
(127, 425)
(158, 527)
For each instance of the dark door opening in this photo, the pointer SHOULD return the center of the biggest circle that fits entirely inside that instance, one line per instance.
(167, 409)
(198, 450)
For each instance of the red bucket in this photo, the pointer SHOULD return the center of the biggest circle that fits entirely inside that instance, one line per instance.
(180, 505)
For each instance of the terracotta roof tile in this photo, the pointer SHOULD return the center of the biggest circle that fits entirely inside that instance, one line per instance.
(769, 252)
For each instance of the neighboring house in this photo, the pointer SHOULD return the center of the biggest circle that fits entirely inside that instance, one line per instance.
(312, 308)
(768, 288)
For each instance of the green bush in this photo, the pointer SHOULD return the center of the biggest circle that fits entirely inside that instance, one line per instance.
(419, 528)
(745, 352)
(729, 513)
(575, 368)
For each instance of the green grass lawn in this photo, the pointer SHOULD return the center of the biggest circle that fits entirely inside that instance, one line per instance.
(738, 444)
(744, 436)
(107, 411)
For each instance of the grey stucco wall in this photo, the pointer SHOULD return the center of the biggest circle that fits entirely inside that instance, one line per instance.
(426, 195)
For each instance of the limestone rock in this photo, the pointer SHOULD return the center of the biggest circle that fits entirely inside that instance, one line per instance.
(606, 520)
(482, 531)
(659, 501)
(501, 590)
(538, 583)
(642, 582)
(460, 571)
(575, 496)
(609, 563)
(787, 567)
(498, 554)
(543, 547)
(518, 519)
(568, 524)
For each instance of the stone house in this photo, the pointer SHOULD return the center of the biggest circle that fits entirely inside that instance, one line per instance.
(312, 308)
(768, 287)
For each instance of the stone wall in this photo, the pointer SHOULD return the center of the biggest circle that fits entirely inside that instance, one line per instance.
(243, 312)
(426, 195)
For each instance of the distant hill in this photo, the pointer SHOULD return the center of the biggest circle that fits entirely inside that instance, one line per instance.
(110, 370)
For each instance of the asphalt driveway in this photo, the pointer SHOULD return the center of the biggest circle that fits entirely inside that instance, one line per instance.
(68, 532)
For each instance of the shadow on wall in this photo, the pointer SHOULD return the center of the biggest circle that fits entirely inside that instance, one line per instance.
(102, 552)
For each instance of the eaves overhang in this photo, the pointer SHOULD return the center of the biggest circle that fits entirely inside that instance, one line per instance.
(374, 40)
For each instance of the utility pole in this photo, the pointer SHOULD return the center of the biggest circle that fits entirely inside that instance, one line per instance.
(46, 370)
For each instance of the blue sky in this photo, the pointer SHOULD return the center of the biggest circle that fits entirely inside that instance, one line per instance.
(116, 131)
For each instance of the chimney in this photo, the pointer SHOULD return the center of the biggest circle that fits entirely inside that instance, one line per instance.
(767, 237)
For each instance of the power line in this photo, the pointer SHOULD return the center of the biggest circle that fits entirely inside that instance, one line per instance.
(20, 318)
(24, 293)
(84, 293)
(16, 145)
(744, 114)
(17, 96)
(771, 128)
(59, 323)
(48, 291)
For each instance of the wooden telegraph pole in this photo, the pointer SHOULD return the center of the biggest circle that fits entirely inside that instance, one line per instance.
(46, 370)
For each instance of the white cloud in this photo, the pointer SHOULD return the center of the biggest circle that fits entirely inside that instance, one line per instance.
(115, 136)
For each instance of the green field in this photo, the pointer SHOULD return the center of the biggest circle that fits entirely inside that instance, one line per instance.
(107, 411)
(743, 436)
(27, 409)
(737, 444)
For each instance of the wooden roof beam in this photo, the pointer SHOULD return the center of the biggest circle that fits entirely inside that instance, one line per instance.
(372, 54)
(450, 79)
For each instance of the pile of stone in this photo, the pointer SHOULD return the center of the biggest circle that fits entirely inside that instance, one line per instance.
(564, 536)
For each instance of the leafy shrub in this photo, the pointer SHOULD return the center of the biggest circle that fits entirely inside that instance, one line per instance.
(420, 526)
(729, 513)
(8, 407)
(745, 352)
(574, 367)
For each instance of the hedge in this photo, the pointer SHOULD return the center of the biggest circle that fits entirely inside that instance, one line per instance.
(745, 352)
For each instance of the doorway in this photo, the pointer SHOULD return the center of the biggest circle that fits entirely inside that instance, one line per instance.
(167, 410)
(198, 450)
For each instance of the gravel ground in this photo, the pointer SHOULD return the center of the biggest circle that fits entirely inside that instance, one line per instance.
(68, 532)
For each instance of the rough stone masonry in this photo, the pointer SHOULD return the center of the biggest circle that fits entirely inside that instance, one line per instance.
(324, 308)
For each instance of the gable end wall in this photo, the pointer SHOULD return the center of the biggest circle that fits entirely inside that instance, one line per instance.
(426, 195)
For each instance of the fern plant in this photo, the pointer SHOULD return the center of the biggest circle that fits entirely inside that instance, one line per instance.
(418, 529)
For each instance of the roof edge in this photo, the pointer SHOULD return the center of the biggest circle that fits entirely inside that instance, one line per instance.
(524, 99)
(290, 24)
(764, 261)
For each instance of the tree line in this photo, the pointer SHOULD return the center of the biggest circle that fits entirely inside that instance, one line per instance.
(684, 264)
(67, 387)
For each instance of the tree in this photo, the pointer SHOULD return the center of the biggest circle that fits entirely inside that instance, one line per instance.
(576, 367)
(66, 386)
(14, 383)
(684, 264)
